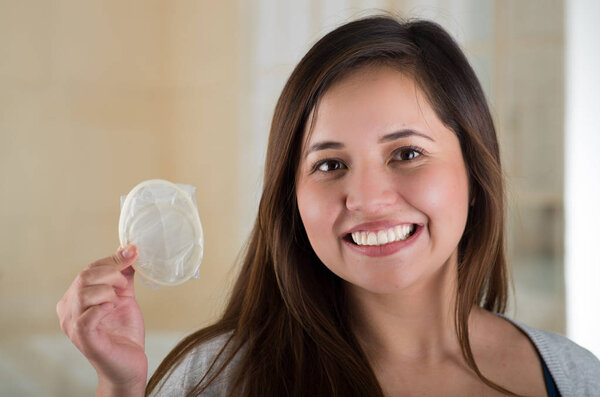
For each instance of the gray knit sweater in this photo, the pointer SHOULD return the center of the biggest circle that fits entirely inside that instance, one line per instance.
(574, 369)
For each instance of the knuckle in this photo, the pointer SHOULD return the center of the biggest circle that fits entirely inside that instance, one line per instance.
(117, 259)
(114, 259)
(79, 280)
(85, 277)
(83, 296)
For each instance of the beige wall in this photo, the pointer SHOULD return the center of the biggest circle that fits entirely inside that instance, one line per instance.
(95, 97)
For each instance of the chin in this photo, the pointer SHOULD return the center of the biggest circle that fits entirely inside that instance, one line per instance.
(382, 284)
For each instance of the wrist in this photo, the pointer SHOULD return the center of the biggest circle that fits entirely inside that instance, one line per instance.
(109, 389)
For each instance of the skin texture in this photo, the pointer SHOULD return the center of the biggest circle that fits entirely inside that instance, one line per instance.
(403, 300)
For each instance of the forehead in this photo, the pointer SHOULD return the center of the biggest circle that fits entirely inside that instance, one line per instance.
(373, 99)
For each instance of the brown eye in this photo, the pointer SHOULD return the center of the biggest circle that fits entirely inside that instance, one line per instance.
(407, 154)
(329, 165)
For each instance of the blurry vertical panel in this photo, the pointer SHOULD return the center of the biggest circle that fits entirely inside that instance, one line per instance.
(582, 188)
(277, 34)
(528, 104)
(472, 25)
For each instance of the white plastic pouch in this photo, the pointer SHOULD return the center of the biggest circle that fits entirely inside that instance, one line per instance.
(161, 219)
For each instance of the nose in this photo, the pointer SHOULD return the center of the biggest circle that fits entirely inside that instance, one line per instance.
(371, 190)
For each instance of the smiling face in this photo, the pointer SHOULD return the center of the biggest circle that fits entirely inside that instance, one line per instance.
(382, 187)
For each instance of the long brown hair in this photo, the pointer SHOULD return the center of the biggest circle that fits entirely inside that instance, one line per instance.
(287, 310)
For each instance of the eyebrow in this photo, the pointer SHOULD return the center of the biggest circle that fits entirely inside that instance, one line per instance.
(386, 138)
(402, 134)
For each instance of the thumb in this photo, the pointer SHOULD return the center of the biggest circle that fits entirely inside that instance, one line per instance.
(125, 256)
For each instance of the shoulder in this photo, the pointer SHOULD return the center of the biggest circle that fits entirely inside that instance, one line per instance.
(197, 364)
(575, 370)
(505, 354)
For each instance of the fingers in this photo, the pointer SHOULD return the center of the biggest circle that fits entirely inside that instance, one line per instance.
(98, 285)
(123, 258)
(96, 295)
(102, 274)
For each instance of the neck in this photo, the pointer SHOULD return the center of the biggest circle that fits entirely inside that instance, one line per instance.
(415, 324)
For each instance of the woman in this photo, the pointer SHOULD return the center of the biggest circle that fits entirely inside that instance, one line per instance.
(376, 265)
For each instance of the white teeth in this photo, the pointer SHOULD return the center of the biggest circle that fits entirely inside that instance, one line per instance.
(399, 230)
(391, 235)
(381, 237)
(372, 239)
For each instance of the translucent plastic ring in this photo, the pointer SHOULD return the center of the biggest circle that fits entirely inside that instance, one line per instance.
(175, 203)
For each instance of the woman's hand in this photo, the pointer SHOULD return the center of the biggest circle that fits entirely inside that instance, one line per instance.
(101, 317)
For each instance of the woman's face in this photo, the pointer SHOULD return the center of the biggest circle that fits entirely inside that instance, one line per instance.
(382, 187)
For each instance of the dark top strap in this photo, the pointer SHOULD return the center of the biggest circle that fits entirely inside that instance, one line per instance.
(550, 385)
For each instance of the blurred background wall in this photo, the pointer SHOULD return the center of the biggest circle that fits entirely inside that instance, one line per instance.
(98, 96)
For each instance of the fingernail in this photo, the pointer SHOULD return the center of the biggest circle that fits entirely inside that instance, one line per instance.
(128, 252)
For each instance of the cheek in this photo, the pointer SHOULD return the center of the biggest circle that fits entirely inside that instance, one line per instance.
(309, 212)
(317, 210)
(442, 195)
